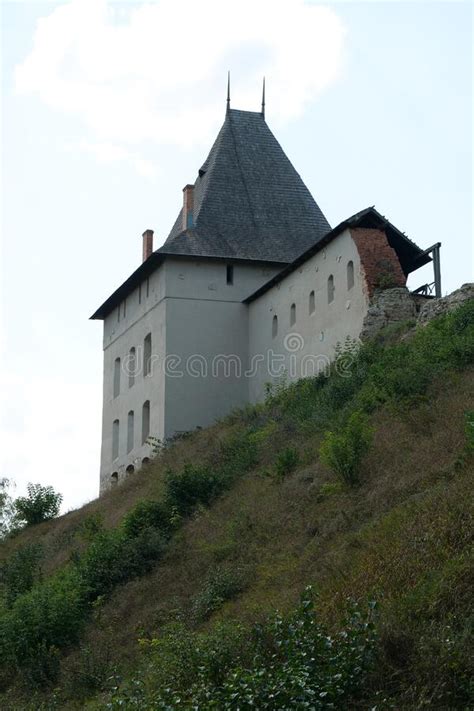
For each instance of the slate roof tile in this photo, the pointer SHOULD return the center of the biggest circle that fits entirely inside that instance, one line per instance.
(249, 201)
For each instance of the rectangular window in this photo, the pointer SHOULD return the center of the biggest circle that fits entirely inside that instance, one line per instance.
(117, 377)
(145, 421)
(140, 294)
(230, 274)
(130, 431)
(147, 355)
(125, 308)
(115, 439)
(148, 287)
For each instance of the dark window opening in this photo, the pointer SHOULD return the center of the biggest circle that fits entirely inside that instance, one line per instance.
(145, 421)
(230, 274)
(115, 439)
(292, 314)
(147, 355)
(350, 274)
(117, 377)
(274, 326)
(331, 289)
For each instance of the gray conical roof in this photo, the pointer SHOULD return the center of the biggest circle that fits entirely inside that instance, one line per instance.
(249, 201)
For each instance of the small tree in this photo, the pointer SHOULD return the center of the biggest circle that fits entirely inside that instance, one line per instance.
(41, 504)
(7, 510)
(343, 451)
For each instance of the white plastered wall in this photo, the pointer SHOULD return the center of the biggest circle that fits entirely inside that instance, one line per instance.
(299, 350)
(207, 332)
(145, 312)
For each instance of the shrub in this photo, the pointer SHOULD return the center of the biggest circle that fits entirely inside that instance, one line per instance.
(147, 514)
(238, 454)
(91, 527)
(286, 462)
(113, 558)
(50, 616)
(221, 584)
(343, 451)
(41, 504)
(288, 662)
(41, 621)
(330, 488)
(192, 486)
(21, 571)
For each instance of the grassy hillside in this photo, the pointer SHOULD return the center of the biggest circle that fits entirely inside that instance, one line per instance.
(102, 606)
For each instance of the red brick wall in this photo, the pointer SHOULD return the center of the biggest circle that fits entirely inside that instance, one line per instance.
(147, 244)
(188, 205)
(379, 261)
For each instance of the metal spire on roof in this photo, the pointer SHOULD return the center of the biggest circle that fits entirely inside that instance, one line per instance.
(263, 98)
(228, 90)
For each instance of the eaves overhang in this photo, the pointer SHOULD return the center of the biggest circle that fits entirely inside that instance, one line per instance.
(153, 262)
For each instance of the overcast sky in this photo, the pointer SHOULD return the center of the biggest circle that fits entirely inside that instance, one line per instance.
(109, 109)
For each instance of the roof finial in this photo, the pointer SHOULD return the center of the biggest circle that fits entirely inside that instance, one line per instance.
(263, 98)
(228, 90)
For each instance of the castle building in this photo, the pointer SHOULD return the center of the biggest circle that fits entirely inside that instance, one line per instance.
(251, 285)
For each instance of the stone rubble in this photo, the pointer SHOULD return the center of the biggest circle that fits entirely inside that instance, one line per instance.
(392, 306)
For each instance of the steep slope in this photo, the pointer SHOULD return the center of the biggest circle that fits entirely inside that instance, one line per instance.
(267, 519)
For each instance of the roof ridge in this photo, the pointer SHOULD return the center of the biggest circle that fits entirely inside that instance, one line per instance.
(243, 176)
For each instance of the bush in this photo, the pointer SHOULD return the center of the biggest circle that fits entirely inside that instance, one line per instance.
(147, 514)
(221, 584)
(238, 454)
(286, 462)
(343, 451)
(192, 486)
(288, 662)
(113, 558)
(41, 621)
(41, 504)
(19, 573)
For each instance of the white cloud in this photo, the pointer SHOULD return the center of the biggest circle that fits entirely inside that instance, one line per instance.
(155, 72)
(106, 152)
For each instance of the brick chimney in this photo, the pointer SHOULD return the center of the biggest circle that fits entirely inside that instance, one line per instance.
(147, 244)
(188, 206)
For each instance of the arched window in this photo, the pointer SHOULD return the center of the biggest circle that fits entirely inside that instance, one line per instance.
(115, 438)
(130, 469)
(147, 355)
(145, 461)
(292, 314)
(114, 478)
(350, 274)
(331, 289)
(132, 366)
(117, 377)
(145, 421)
(274, 326)
(312, 303)
(130, 426)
